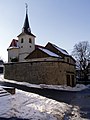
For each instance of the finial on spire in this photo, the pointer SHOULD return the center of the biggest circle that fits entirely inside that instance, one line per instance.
(26, 8)
(26, 27)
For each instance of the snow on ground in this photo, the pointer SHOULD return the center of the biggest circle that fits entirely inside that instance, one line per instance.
(78, 87)
(32, 106)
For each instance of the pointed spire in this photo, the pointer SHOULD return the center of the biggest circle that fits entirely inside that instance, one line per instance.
(26, 8)
(26, 27)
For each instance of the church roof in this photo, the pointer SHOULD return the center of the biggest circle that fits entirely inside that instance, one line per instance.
(39, 46)
(26, 27)
(64, 52)
(58, 50)
(28, 33)
(49, 52)
(14, 44)
(45, 52)
(61, 50)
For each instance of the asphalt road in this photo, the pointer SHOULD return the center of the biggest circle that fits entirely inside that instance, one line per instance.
(80, 98)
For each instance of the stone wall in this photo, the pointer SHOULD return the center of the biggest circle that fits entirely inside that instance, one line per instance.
(39, 72)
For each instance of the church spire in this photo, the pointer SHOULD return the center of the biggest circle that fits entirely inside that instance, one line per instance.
(26, 8)
(26, 27)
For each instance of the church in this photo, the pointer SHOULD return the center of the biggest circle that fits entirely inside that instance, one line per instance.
(19, 49)
(38, 64)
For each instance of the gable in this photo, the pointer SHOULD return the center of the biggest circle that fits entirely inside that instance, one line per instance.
(41, 53)
(56, 49)
(37, 53)
(59, 51)
(50, 53)
(14, 43)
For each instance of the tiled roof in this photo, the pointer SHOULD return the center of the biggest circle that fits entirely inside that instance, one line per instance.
(14, 43)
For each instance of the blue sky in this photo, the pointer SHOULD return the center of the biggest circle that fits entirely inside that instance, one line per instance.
(63, 22)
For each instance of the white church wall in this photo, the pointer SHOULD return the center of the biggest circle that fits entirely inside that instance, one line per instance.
(13, 53)
(26, 46)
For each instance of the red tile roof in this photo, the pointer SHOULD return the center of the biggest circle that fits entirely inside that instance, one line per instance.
(14, 43)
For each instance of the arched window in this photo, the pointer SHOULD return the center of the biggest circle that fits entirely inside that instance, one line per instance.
(22, 40)
(30, 41)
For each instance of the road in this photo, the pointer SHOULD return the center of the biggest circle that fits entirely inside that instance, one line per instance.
(80, 98)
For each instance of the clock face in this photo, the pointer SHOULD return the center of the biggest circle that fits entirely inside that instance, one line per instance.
(29, 30)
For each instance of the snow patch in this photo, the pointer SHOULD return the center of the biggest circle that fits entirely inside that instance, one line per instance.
(78, 87)
(32, 106)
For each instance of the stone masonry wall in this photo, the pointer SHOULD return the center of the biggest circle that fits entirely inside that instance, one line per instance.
(39, 72)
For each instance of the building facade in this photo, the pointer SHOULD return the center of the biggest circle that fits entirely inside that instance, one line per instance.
(25, 44)
(37, 64)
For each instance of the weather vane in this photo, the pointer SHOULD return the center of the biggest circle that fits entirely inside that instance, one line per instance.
(26, 7)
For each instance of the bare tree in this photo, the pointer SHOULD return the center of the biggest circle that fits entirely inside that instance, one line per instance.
(81, 52)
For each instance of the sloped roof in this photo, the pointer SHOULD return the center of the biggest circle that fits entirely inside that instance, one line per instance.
(49, 52)
(26, 28)
(39, 46)
(58, 48)
(44, 51)
(14, 44)
(28, 33)
(61, 50)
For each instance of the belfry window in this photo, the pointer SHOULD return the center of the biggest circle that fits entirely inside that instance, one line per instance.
(22, 40)
(30, 41)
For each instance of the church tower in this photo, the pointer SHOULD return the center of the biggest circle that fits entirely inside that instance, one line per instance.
(26, 40)
(21, 48)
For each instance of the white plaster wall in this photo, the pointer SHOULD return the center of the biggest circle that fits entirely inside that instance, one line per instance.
(22, 57)
(25, 48)
(12, 53)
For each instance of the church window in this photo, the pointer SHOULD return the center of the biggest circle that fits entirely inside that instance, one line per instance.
(22, 40)
(30, 41)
